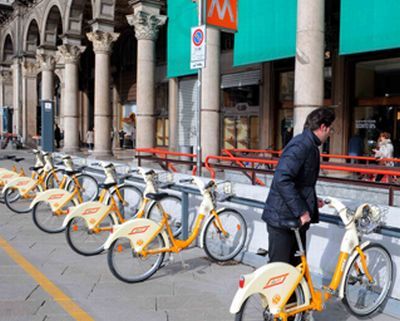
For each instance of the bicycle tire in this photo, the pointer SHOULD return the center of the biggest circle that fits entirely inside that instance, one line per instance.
(253, 308)
(124, 269)
(353, 277)
(43, 216)
(49, 180)
(132, 198)
(89, 183)
(219, 247)
(12, 199)
(91, 244)
(172, 204)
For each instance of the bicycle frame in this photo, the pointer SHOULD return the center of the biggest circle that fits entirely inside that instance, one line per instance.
(276, 282)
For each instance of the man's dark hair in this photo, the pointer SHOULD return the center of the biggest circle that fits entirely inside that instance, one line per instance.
(320, 116)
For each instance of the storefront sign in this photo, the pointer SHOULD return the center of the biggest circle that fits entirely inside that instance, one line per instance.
(198, 48)
(366, 124)
(222, 14)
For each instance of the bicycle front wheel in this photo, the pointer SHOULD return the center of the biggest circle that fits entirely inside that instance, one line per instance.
(172, 205)
(54, 178)
(256, 307)
(361, 296)
(85, 241)
(131, 267)
(18, 203)
(48, 221)
(225, 238)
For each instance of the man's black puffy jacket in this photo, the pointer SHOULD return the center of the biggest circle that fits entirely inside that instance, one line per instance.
(293, 186)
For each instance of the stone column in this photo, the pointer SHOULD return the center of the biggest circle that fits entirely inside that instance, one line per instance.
(309, 66)
(210, 96)
(147, 23)
(116, 118)
(173, 97)
(70, 55)
(267, 113)
(102, 44)
(47, 63)
(17, 105)
(29, 101)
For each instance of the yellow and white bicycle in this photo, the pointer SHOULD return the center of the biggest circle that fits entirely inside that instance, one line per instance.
(137, 248)
(89, 224)
(362, 278)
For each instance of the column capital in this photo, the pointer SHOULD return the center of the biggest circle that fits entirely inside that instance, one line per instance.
(102, 41)
(6, 75)
(46, 60)
(146, 24)
(29, 69)
(69, 54)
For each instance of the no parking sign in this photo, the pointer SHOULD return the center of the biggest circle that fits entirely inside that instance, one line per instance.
(198, 47)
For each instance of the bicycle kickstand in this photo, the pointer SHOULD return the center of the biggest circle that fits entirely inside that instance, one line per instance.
(184, 265)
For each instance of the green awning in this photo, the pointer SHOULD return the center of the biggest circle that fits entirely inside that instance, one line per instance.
(266, 31)
(182, 16)
(369, 25)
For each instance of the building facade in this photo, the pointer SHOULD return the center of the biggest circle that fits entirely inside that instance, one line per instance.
(119, 66)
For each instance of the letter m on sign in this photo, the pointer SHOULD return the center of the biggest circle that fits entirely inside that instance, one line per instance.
(222, 14)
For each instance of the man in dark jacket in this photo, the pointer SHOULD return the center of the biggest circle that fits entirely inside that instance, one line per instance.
(292, 194)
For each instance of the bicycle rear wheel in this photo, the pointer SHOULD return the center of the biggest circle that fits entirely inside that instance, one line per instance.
(48, 221)
(89, 187)
(54, 178)
(172, 205)
(255, 308)
(361, 297)
(223, 247)
(18, 203)
(131, 198)
(85, 241)
(131, 267)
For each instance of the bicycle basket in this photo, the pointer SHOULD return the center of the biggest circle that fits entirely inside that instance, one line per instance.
(372, 217)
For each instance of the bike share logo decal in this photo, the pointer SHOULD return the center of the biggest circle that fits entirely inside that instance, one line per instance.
(23, 183)
(55, 197)
(139, 230)
(276, 299)
(91, 211)
(276, 280)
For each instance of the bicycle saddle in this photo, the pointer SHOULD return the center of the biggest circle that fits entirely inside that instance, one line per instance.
(290, 223)
(35, 168)
(20, 159)
(10, 156)
(156, 196)
(106, 185)
(71, 173)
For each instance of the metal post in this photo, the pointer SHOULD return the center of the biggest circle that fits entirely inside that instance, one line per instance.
(199, 86)
(185, 215)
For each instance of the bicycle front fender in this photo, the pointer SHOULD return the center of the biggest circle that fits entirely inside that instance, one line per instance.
(138, 231)
(273, 282)
(347, 268)
(55, 197)
(91, 212)
(22, 184)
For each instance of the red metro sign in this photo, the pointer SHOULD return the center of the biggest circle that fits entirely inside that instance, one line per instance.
(222, 14)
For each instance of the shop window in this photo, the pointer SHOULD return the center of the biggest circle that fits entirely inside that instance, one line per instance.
(227, 40)
(162, 132)
(241, 132)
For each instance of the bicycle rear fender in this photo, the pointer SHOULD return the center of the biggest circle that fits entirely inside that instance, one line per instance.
(347, 268)
(6, 176)
(22, 184)
(273, 282)
(57, 198)
(91, 212)
(138, 231)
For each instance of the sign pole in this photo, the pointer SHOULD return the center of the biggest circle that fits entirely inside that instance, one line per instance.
(199, 86)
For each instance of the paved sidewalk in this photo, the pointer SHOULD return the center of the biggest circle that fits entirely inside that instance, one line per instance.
(201, 292)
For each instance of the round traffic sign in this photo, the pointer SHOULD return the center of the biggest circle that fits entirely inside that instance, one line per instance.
(198, 37)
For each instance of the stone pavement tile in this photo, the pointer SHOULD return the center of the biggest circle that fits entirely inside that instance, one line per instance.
(193, 301)
(16, 287)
